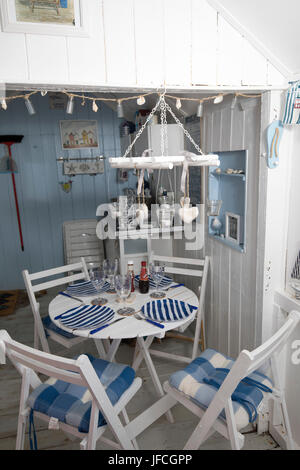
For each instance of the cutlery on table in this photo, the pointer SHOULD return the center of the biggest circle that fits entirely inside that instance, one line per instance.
(105, 326)
(173, 287)
(71, 297)
(137, 316)
(175, 295)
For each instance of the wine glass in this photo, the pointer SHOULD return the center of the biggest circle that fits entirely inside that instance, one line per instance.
(122, 284)
(156, 273)
(110, 268)
(97, 277)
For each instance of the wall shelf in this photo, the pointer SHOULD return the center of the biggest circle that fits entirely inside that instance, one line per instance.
(236, 175)
(231, 189)
(228, 243)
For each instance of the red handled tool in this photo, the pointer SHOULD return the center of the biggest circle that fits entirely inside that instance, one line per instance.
(9, 140)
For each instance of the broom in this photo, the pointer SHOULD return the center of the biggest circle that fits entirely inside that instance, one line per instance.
(9, 140)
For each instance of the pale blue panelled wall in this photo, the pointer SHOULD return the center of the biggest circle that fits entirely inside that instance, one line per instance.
(44, 206)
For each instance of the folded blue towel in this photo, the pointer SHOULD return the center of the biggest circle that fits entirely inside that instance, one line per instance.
(248, 392)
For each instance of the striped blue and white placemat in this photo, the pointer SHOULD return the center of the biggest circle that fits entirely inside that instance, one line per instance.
(86, 316)
(165, 281)
(167, 310)
(85, 289)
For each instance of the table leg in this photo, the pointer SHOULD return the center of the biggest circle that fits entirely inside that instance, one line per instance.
(100, 348)
(138, 355)
(114, 345)
(106, 344)
(155, 379)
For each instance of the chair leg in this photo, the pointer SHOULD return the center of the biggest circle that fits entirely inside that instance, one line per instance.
(83, 444)
(203, 345)
(286, 422)
(92, 439)
(280, 400)
(126, 419)
(23, 411)
(199, 330)
(22, 420)
(36, 338)
(236, 439)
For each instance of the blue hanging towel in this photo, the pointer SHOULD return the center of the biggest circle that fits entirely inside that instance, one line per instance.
(291, 112)
(248, 393)
(64, 3)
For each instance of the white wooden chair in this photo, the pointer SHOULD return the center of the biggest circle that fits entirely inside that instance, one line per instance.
(201, 272)
(246, 363)
(75, 272)
(80, 372)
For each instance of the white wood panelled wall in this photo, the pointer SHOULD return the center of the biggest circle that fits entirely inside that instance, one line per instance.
(140, 43)
(233, 320)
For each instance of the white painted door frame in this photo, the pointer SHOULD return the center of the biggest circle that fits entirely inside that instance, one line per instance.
(274, 195)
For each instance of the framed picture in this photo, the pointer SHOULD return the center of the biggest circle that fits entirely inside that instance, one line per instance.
(232, 227)
(79, 134)
(122, 175)
(58, 17)
(93, 166)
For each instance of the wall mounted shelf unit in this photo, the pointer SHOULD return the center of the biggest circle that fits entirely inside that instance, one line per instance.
(228, 183)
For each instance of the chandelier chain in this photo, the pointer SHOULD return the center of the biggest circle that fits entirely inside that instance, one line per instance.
(142, 129)
(184, 130)
(164, 128)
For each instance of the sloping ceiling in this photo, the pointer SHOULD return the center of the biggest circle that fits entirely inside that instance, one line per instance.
(271, 25)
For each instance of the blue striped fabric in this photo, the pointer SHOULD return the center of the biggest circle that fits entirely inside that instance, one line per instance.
(167, 310)
(203, 376)
(85, 289)
(71, 404)
(291, 114)
(165, 281)
(50, 326)
(86, 316)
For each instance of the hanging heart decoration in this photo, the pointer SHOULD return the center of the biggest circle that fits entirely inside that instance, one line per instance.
(141, 214)
(187, 213)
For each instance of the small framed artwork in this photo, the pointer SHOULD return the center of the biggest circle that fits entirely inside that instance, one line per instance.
(58, 17)
(79, 134)
(122, 175)
(232, 227)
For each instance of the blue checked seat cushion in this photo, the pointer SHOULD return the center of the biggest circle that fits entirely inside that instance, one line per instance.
(50, 326)
(71, 404)
(191, 382)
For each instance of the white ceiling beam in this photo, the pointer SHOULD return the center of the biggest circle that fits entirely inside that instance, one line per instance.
(88, 88)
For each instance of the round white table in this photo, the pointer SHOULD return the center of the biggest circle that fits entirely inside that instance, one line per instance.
(127, 327)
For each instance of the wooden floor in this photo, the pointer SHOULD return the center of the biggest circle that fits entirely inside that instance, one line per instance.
(160, 436)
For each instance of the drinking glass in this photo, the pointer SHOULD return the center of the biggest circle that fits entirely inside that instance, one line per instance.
(110, 268)
(122, 284)
(97, 277)
(156, 273)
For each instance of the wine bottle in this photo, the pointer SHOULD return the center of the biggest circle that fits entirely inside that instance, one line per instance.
(144, 279)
